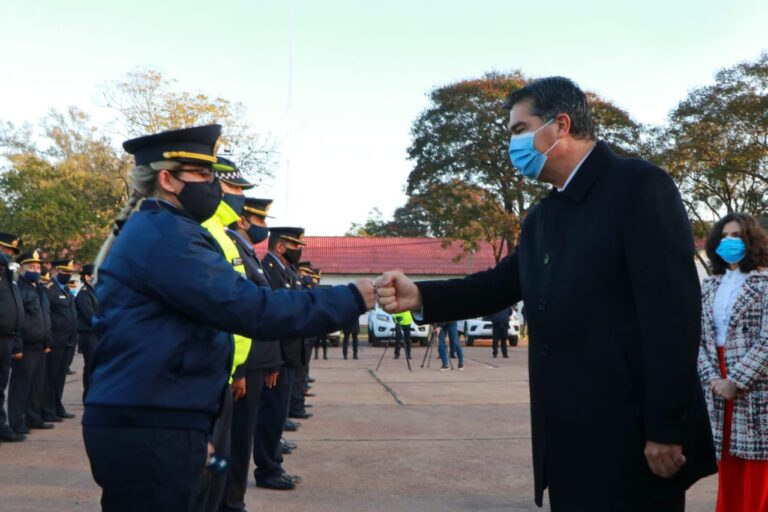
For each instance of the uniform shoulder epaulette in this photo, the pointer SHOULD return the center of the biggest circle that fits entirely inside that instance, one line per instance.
(49, 284)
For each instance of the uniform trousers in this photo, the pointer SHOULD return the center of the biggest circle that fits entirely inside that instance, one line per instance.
(403, 336)
(146, 469)
(500, 335)
(244, 416)
(300, 375)
(56, 375)
(6, 347)
(270, 421)
(87, 341)
(27, 389)
(212, 483)
(345, 345)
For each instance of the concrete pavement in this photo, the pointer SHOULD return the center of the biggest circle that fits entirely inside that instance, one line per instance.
(380, 441)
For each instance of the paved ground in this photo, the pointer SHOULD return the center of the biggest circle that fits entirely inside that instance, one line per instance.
(387, 441)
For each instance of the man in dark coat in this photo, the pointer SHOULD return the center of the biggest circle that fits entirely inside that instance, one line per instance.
(605, 267)
(87, 307)
(11, 321)
(28, 381)
(500, 328)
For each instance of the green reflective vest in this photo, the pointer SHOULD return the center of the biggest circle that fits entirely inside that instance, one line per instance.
(404, 318)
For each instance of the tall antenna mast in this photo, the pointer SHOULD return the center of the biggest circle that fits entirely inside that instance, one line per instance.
(289, 113)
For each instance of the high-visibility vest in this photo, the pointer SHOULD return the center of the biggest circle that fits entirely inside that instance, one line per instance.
(404, 318)
(217, 227)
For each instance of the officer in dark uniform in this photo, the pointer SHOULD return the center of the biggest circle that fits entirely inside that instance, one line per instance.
(262, 367)
(300, 386)
(28, 381)
(87, 307)
(500, 328)
(63, 338)
(285, 245)
(352, 331)
(11, 321)
(168, 301)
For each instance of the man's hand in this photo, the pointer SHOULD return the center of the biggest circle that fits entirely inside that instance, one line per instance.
(47, 350)
(365, 287)
(725, 388)
(17, 356)
(238, 389)
(271, 380)
(665, 460)
(397, 293)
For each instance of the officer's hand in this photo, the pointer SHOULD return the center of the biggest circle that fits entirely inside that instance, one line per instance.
(47, 350)
(238, 388)
(365, 287)
(665, 460)
(397, 293)
(17, 356)
(271, 380)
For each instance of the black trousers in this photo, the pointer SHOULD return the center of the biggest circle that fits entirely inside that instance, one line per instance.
(6, 347)
(26, 392)
(56, 365)
(87, 342)
(244, 416)
(270, 420)
(500, 335)
(212, 483)
(674, 504)
(300, 375)
(403, 335)
(323, 341)
(146, 469)
(345, 344)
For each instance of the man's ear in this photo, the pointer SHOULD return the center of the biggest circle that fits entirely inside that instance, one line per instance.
(242, 223)
(563, 122)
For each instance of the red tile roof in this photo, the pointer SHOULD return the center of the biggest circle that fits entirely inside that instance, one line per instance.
(374, 255)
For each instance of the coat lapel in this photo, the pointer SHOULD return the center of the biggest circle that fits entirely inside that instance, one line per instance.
(748, 294)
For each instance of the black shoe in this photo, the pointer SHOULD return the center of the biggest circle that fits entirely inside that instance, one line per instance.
(41, 426)
(345, 357)
(21, 429)
(284, 449)
(354, 356)
(505, 356)
(300, 415)
(52, 419)
(325, 358)
(290, 444)
(495, 356)
(307, 404)
(71, 371)
(296, 479)
(9, 436)
(397, 356)
(311, 379)
(65, 415)
(277, 483)
(291, 426)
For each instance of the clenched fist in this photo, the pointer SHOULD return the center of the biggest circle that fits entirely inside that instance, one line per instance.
(397, 293)
(365, 287)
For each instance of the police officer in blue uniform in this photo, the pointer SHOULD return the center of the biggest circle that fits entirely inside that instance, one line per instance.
(167, 301)
(63, 338)
(87, 306)
(264, 359)
(11, 321)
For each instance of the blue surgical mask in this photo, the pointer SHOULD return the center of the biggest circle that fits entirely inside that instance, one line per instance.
(732, 250)
(524, 155)
(257, 234)
(236, 202)
(31, 277)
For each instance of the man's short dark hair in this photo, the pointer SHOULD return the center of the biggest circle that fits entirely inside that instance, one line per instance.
(553, 96)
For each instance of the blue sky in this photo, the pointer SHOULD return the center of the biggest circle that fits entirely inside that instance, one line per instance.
(362, 69)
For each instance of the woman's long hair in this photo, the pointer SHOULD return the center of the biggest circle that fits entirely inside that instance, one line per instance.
(754, 236)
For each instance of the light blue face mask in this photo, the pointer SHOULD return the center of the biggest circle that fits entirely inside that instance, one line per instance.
(524, 155)
(732, 250)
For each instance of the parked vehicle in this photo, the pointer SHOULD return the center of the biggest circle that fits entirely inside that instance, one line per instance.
(381, 328)
(476, 328)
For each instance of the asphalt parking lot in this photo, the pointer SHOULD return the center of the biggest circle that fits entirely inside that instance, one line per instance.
(390, 440)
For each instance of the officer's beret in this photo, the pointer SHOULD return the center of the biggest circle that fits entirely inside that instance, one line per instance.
(228, 172)
(11, 242)
(291, 234)
(306, 266)
(29, 257)
(196, 146)
(256, 206)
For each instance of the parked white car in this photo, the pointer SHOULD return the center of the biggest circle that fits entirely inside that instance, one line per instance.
(478, 328)
(381, 328)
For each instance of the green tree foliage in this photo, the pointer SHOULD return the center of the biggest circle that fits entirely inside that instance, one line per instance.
(462, 176)
(716, 144)
(410, 220)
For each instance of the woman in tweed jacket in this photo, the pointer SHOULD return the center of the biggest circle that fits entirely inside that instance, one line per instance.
(733, 360)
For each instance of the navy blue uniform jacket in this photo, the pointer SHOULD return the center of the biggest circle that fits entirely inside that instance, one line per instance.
(612, 297)
(168, 300)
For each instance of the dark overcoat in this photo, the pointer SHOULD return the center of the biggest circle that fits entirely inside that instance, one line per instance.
(606, 270)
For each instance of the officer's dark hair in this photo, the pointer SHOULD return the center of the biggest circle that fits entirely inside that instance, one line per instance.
(754, 236)
(273, 239)
(553, 96)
